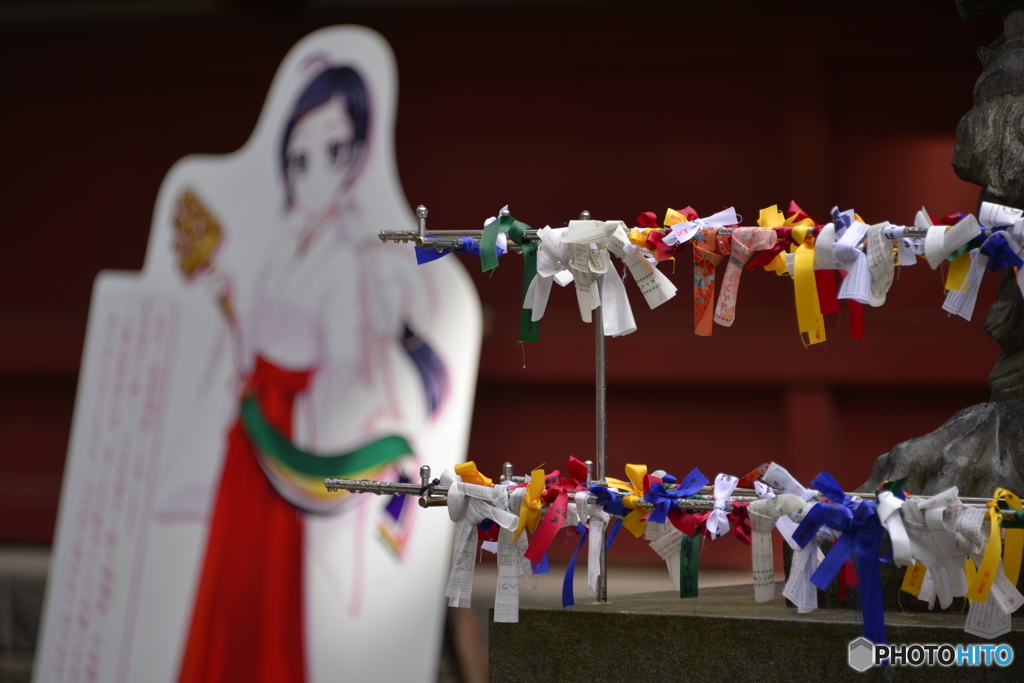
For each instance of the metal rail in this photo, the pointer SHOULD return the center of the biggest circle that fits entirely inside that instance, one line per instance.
(432, 493)
(452, 239)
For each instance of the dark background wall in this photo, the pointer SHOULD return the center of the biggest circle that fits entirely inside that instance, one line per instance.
(613, 107)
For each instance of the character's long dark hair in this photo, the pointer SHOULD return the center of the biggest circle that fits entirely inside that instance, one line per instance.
(346, 82)
(343, 81)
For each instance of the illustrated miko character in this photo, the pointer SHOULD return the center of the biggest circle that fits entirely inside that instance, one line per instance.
(332, 315)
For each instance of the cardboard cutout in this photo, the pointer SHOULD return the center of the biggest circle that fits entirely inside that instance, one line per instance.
(270, 341)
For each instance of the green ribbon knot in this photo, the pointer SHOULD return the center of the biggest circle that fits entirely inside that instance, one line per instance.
(529, 330)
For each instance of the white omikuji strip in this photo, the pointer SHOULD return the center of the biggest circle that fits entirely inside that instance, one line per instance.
(506, 596)
(764, 515)
(941, 240)
(585, 280)
(653, 284)
(762, 560)
(468, 505)
(799, 589)
(991, 618)
(597, 523)
(616, 312)
(1008, 598)
(612, 235)
(510, 561)
(667, 543)
(937, 531)
(888, 511)
(986, 620)
(459, 589)
(786, 526)
(935, 545)
(847, 253)
(580, 253)
(962, 303)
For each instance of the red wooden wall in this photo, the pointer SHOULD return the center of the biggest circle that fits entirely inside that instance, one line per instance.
(616, 108)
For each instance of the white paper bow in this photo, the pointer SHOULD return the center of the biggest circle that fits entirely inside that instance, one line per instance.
(847, 254)
(779, 477)
(598, 283)
(799, 589)
(717, 523)
(680, 233)
(994, 215)
(552, 266)
(888, 510)
(468, 505)
(783, 523)
(589, 260)
(823, 257)
(942, 240)
(763, 491)
(997, 215)
(935, 545)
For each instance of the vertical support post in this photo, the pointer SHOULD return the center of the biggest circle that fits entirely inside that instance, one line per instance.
(600, 461)
(425, 482)
(601, 466)
(421, 220)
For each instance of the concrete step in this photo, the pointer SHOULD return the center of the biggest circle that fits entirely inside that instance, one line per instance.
(23, 572)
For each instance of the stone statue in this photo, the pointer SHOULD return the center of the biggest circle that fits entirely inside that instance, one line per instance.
(982, 447)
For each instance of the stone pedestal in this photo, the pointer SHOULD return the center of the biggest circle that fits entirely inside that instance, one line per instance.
(721, 635)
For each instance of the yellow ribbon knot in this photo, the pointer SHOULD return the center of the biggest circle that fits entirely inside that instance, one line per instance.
(533, 501)
(805, 287)
(767, 220)
(1011, 549)
(471, 475)
(635, 486)
(638, 236)
(672, 217)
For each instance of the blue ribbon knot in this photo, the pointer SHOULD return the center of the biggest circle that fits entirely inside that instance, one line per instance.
(862, 534)
(1001, 254)
(610, 501)
(664, 500)
(835, 515)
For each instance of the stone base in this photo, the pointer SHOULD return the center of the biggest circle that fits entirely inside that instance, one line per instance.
(721, 635)
(22, 582)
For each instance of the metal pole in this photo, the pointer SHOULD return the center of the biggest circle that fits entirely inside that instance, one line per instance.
(452, 239)
(601, 461)
(600, 390)
(421, 221)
